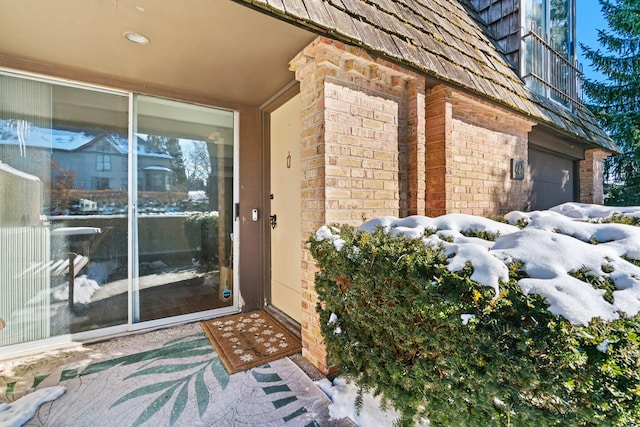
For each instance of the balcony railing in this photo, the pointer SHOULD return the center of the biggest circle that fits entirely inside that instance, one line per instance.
(549, 72)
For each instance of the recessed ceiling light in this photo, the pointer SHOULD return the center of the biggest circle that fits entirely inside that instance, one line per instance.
(136, 37)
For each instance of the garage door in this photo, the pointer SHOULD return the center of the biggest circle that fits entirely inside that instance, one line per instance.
(553, 179)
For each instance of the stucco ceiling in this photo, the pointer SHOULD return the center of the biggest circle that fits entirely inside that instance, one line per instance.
(214, 49)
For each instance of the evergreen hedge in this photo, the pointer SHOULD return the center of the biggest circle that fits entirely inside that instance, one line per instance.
(392, 319)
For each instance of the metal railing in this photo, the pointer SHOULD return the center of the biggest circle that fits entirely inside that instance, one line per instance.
(549, 72)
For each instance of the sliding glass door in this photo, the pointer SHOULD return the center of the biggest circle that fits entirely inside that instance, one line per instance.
(184, 208)
(115, 210)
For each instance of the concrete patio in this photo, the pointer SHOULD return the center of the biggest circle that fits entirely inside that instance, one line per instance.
(168, 377)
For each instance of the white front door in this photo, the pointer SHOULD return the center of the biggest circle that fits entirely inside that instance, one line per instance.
(286, 237)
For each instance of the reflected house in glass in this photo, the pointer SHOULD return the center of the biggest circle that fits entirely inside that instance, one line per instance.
(99, 160)
(100, 240)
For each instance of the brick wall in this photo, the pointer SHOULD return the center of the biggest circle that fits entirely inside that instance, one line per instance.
(591, 176)
(470, 144)
(376, 141)
(362, 154)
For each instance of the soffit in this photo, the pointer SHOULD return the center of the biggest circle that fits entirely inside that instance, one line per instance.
(213, 49)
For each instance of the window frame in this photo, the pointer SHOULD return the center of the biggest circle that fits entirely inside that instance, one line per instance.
(103, 162)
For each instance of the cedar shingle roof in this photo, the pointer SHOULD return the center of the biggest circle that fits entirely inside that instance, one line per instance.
(444, 39)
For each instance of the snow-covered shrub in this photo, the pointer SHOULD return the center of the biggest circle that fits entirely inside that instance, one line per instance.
(400, 321)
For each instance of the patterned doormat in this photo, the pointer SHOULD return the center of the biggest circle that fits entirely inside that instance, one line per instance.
(247, 340)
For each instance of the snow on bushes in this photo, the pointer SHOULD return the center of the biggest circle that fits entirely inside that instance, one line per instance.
(550, 248)
(444, 317)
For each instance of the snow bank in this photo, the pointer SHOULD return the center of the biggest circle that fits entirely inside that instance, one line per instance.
(415, 226)
(587, 211)
(548, 257)
(326, 233)
(623, 239)
(487, 269)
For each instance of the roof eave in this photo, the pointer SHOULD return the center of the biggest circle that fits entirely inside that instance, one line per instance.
(324, 18)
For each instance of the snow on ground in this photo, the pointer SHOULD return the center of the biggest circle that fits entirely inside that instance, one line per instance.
(17, 413)
(567, 238)
(343, 395)
(83, 289)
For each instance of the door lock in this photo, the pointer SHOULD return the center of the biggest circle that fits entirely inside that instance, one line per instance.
(273, 220)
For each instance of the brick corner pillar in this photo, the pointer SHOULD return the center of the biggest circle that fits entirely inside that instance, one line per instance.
(313, 194)
(591, 176)
(438, 114)
(354, 145)
(416, 147)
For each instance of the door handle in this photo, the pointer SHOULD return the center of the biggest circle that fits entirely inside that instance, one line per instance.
(273, 220)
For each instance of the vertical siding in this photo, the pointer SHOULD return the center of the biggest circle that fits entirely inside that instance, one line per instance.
(28, 100)
(504, 21)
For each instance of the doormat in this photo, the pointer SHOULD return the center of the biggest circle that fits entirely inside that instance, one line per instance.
(247, 340)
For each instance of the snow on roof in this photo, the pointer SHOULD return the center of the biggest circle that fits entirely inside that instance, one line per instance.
(553, 245)
(144, 149)
(120, 143)
(19, 132)
(157, 168)
(30, 135)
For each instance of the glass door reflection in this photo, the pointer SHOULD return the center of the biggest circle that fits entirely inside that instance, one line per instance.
(184, 203)
(63, 221)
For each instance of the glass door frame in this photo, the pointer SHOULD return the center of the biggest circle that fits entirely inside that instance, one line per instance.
(129, 326)
(134, 300)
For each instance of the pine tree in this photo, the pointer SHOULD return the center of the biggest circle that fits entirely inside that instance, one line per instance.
(171, 146)
(616, 100)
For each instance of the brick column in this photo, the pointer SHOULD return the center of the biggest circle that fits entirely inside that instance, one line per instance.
(437, 165)
(353, 143)
(591, 176)
(313, 196)
(416, 148)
